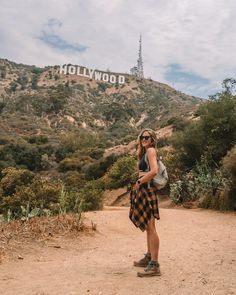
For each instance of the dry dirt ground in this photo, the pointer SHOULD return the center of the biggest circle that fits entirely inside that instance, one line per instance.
(197, 257)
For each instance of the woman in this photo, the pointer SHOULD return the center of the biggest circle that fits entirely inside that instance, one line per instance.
(144, 202)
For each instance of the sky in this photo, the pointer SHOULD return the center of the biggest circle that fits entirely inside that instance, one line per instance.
(187, 44)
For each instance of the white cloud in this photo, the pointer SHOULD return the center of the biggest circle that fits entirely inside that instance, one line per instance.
(198, 35)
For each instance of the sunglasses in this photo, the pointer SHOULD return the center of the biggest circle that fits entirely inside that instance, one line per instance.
(145, 137)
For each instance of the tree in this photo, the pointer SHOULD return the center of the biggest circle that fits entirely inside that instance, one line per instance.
(214, 134)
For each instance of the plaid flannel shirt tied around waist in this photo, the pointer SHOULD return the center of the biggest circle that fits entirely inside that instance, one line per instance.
(143, 205)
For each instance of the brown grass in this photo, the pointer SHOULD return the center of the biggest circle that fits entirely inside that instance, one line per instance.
(38, 229)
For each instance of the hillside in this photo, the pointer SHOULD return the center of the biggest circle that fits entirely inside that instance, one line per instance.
(41, 101)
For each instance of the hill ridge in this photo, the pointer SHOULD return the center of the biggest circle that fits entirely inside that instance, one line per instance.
(68, 102)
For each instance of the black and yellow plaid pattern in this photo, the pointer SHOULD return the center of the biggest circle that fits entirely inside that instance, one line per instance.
(143, 204)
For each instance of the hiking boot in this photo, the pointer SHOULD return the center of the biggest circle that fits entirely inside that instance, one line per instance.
(153, 269)
(144, 261)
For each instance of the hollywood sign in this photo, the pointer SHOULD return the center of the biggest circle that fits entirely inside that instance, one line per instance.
(92, 74)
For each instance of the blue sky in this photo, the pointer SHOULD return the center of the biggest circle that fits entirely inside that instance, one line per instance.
(188, 44)
(49, 36)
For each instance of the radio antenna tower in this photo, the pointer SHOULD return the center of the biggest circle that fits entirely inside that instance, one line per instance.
(140, 59)
(138, 70)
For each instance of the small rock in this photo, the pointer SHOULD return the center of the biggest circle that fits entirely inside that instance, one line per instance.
(20, 257)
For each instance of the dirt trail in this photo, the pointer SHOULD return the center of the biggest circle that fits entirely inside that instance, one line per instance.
(197, 257)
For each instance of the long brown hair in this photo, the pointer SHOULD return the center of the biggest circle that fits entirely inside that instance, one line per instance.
(141, 149)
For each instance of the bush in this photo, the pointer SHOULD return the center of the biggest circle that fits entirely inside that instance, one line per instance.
(80, 87)
(38, 139)
(23, 154)
(188, 146)
(229, 164)
(103, 86)
(13, 86)
(229, 168)
(200, 183)
(163, 141)
(46, 191)
(73, 181)
(91, 195)
(94, 152)
(2, 106)
(84, 141)
(20, 188)
(122, 172)
(74, 163)
(13, 178)
(178, 123)
(69, 164)
(69, 201)
(221, 202)
(23, 81)
(97, 169)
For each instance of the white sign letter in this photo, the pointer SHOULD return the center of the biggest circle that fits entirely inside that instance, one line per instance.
(98, 75)
(105, 77)
(91, 73)
(63, 69)
(121, 79)
(71, 70)
(78, 71)
(85, 74)
(113, 79)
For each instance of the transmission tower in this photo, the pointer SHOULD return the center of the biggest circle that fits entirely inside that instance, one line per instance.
(138, 70)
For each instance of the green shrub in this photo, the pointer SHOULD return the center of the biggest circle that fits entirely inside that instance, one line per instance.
(122, 172)
(38, 139)
(69, 201)
(74, 163)
(98, 168)
(13, 178)
(23, 154)
(91, 195)
(69, 164)
(23, 81)
(103, 86)
(178, 123)
(80, 87)
(229, 164)
(221, 201)
(188, 146)
(40, 193)
(94, 152)
(163, 141)
(2, 106)
(200, 183)
(73, 181)
(47, 192)
(13, 86)
(84, 141)
(229, 168)
(34, 81)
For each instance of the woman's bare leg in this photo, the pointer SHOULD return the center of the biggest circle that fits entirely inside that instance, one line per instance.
(152, 239)
(148, 244)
